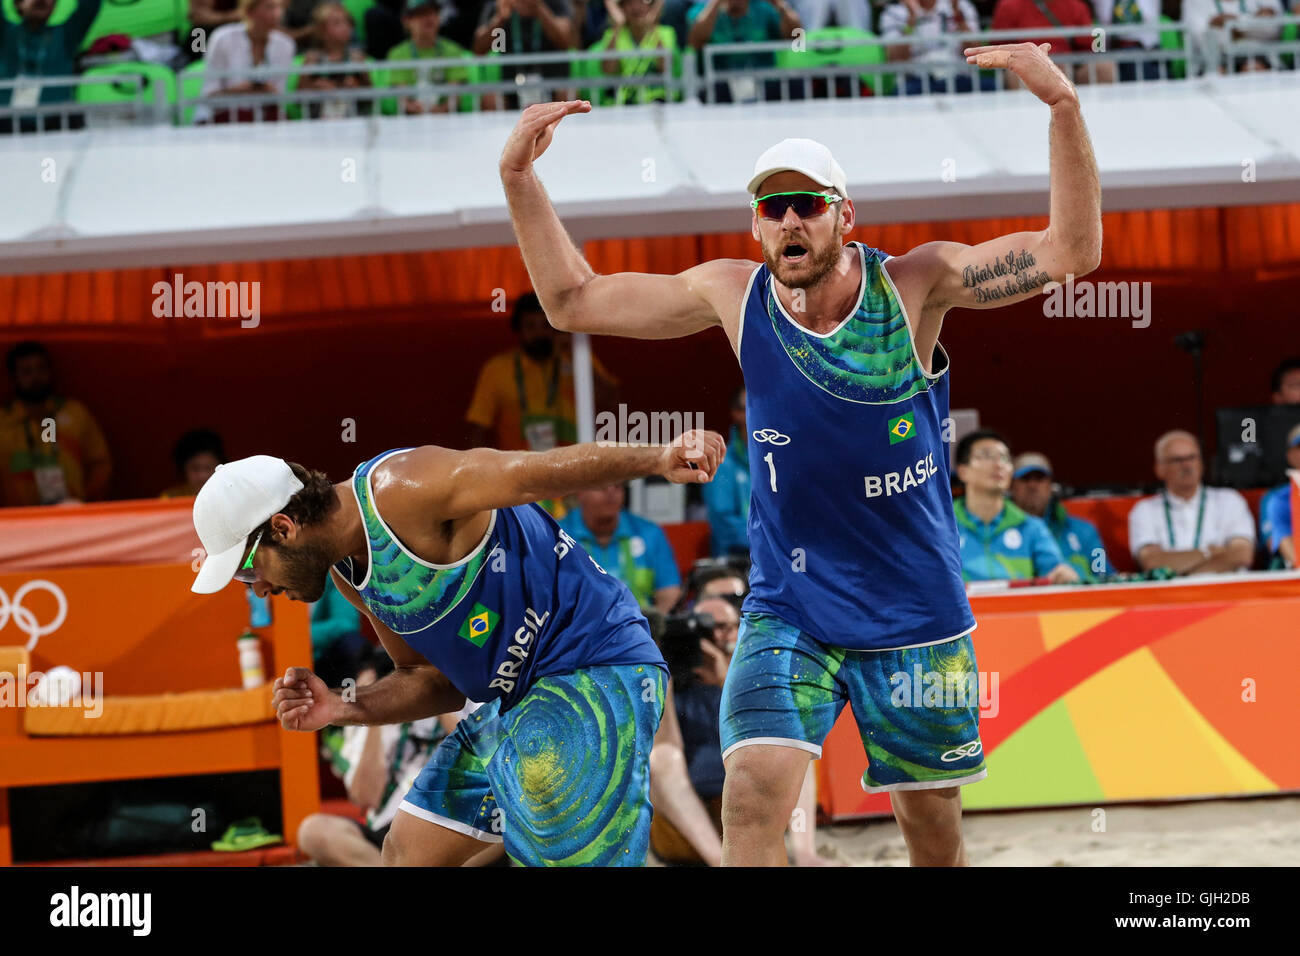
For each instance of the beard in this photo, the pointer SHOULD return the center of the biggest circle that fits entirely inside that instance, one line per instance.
(305, 571)
(539, 349)
(815, 268)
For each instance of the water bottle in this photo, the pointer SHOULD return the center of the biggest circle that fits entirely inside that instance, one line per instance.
(250, 660)
(259, 610)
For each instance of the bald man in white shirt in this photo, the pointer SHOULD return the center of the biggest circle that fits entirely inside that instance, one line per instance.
(1188, 527)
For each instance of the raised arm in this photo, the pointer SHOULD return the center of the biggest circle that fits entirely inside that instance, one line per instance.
(452, 484)
(574, 297)
(945, 275)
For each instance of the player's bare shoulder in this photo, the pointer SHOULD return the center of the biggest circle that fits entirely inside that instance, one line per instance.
(915, 272)
(723, 283)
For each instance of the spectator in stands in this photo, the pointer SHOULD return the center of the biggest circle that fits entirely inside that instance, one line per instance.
(527, 26)
(423, 20)
(723, 582)
(686, 769)
(629, 547)
(1275, 527)
(1128, 13)
(1027, 14)
(332, 32)
(250, 48)
(930, 20)
(742, 21)
(524, 398)
(1286, 382)
(33, 49)
(634, 26)
(999, 542)
(51, 449)
(816, 14)
(1080, 544)
(1189, 528)
(196, 456)
(727, 495)
(1212, 23)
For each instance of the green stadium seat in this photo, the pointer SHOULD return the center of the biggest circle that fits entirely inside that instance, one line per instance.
(358, 10)
(1173, 40)
(154, 76)
(190, 84)
(293, 110)
(830, 56)
(135, 18)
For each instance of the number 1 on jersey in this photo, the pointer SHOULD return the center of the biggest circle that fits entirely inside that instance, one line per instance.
(771, 470)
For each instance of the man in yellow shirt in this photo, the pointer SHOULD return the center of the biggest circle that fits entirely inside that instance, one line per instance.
(51, 449)
(524, 399)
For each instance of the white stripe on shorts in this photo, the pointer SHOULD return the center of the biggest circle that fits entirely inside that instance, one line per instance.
(451, 824)
(775, 742)
(927, 784)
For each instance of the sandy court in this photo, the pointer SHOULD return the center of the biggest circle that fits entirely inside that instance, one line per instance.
(1244, 832)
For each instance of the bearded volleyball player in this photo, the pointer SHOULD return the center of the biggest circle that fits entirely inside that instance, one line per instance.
(856, 574)
(472, 590)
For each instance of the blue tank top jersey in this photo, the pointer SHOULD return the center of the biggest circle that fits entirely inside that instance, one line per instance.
(851, 526)
(528, 602)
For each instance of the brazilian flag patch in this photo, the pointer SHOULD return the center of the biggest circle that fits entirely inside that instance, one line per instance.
(479, 625)
(901, 428)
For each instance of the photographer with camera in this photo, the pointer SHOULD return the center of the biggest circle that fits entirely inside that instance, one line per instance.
(686, 770)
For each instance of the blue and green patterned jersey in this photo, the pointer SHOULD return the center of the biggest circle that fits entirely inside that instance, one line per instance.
(851, 527)
(1014, 546)
(527, 602)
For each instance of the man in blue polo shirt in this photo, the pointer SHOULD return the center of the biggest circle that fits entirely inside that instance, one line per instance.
(1080, 544)
(998, 540)
(632, 549)
(1275, 511)
(727, 496)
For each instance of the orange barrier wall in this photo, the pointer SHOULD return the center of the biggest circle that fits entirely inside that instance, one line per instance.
(1122, 693)
(144, 630)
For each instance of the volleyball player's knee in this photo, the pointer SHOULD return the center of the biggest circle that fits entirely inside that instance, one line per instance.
(931, 814)
(756, 797)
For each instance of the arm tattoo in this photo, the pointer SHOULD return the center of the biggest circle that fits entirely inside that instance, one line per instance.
(1012, 275)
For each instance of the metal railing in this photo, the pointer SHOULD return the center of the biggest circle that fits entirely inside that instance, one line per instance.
(1103, 60)
(1223, 52)
(796, 69)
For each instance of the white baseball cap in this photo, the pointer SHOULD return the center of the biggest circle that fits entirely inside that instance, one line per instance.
(230, 506)
(805, 156)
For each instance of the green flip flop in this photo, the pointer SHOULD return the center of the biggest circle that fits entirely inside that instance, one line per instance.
(246, 834)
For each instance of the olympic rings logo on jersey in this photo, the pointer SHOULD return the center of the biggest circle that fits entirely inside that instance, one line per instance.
(971, 749)
(771, 436)
(23, 616)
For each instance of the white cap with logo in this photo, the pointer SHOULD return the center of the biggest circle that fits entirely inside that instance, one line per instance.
(230, 506)
(805, 156)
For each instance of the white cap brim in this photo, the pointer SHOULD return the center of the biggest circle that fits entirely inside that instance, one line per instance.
(218, 570)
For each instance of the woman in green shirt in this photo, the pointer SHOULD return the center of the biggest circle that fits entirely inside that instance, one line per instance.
(634, 26)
